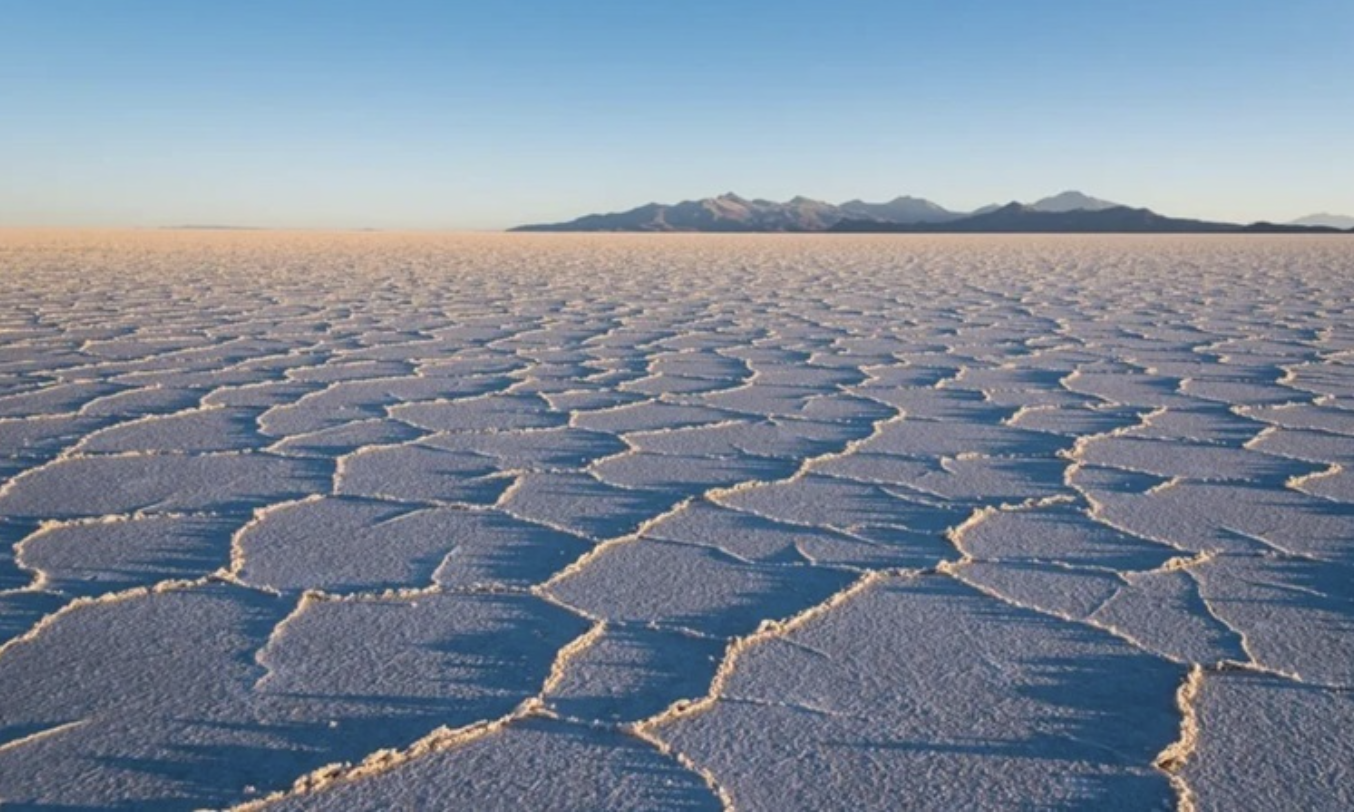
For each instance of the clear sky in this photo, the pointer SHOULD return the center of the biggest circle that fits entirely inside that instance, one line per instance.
(459, 114)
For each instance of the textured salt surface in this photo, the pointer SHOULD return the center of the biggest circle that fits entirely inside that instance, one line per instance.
(593, 522)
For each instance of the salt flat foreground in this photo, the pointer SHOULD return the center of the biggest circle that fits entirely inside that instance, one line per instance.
(308, 521)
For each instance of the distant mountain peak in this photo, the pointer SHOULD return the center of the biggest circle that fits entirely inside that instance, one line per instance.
(901, 209)
(1326, 220)
(1072, 200)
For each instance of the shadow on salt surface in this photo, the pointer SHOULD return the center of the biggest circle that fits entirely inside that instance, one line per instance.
(208, 635)
(940, 405)
(651, 416)
(1063, 682)
(1064, 534)
(632, 673)
(61, 398)
(228, 483)
(1076, 420)
(12, 468)
(502, 549)
(345, 544)
(694, 587)
(1224, 516)
(927, 694)
(189, 698)
(1306, 752)
(1328, 579)
(28, 442)
(87, 560)
(197, 430)
(1198, 461)
(759, 539)
(1095, 479)
(1297, 615)
(499, 412)
(20, 611)
(933, 439)
(794, 440)
(1209, 423)
(585, 505)
(362, 400)
(1337, 486)
(417, 473)
(993, 480)
(348, 437)
(565, 447)
(825, 501)
(11, 577)
(1056, 683)
(532, 764)
(689, 476)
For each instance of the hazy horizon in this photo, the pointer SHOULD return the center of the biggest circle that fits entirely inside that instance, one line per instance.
(481, 118)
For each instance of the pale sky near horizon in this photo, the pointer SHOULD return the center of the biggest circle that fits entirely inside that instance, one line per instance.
(482, 115)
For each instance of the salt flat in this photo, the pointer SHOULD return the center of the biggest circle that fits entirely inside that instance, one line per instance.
(376, 521)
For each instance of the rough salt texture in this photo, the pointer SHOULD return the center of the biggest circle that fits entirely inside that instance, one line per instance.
(368, 521)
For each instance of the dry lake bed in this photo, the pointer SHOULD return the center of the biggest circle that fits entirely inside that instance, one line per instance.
(381, 521)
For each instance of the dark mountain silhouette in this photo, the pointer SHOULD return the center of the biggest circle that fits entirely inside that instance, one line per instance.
(1266, 227)
(1021, 218)
(729, 212)
(1017, 218)
(1067, 212)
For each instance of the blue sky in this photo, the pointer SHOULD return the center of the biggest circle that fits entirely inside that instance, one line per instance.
(486, 114)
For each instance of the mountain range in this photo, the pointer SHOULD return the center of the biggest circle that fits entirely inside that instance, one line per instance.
(1069, 211)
